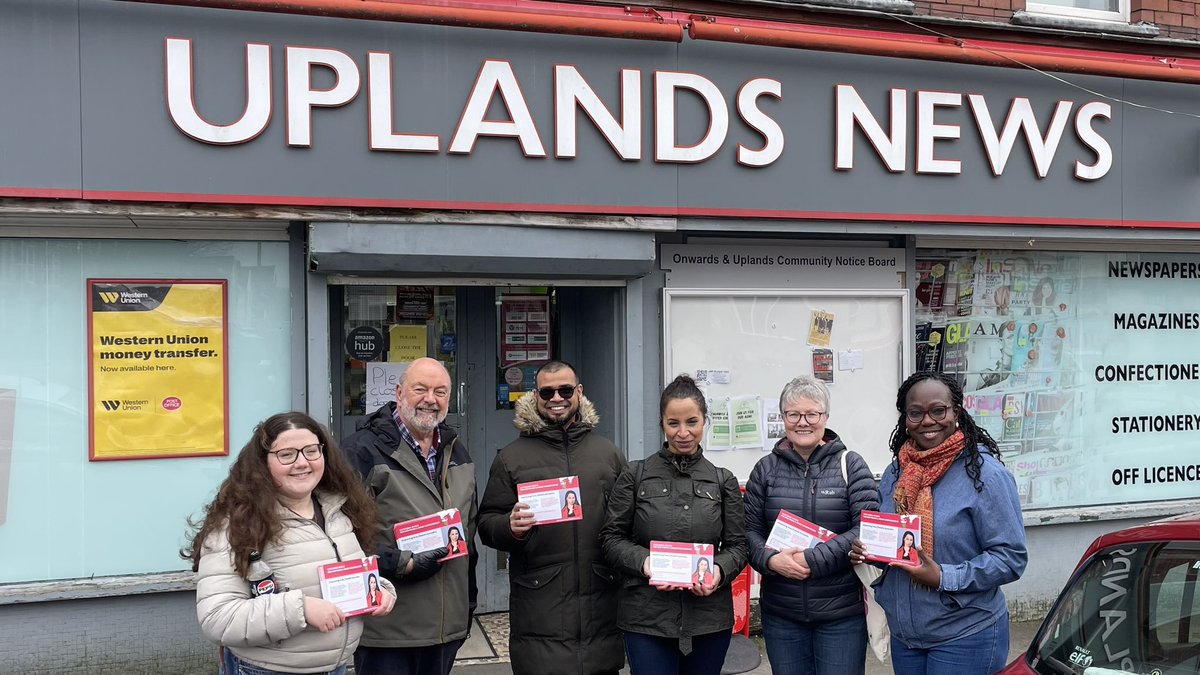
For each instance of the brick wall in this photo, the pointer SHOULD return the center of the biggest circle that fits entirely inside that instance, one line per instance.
(1175, 18)
(141, 634)
(1178, 19)
(979, 10)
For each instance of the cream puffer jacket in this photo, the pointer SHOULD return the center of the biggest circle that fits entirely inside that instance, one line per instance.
(270, 631)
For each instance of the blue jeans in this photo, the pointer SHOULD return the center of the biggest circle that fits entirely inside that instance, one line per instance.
(654, 655)
(232, 665)
(817, 648)
(980, 653)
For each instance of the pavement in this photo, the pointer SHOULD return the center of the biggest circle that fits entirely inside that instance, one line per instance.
(484, 654)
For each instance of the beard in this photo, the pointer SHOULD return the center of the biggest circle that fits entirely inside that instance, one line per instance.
(421, 419)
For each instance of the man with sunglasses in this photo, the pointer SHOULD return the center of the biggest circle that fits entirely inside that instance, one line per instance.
(562, 597)
(414, 465)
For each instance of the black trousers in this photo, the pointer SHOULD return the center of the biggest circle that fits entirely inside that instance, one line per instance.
(431, 660)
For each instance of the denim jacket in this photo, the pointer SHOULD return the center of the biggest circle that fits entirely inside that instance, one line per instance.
(979, 542)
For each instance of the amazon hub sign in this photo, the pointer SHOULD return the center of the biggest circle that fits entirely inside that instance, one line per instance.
(920, 145)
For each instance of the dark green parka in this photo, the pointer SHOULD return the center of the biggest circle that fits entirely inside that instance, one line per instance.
(562, 595)
(684, 499)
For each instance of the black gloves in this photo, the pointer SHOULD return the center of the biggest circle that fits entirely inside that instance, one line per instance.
(425, 564)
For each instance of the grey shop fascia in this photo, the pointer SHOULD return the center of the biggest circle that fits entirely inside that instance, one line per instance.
(572, 93)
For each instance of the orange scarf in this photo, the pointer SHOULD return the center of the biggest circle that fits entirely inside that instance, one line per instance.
(919, 470)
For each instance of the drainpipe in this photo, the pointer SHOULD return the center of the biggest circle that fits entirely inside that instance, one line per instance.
(637, 23)
(936, 48)
(643, 23)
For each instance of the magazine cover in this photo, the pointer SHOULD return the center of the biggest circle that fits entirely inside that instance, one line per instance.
(988, 412)
(931, 285)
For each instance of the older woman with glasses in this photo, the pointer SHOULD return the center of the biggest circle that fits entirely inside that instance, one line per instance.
(291, 503)
(946, 613)
(812, 603)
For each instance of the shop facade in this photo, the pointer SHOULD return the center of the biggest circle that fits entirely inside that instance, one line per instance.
(358, 193)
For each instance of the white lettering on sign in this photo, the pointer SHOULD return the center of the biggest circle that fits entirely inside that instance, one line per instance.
(666, 146)
(573, 94)
(571, 90)
(302, 98)
(928, 131)
(181, 101)
(1095, 142)
(497, 76)
(1020, 119)
(379, 100)
(853, 113)
(752, 115)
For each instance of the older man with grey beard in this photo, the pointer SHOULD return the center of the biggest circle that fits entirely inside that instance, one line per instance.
(413, 465)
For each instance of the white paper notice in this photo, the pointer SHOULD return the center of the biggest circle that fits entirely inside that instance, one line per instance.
(851, 359)
(382, 378)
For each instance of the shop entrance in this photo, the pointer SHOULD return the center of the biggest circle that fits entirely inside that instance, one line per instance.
(491, 338)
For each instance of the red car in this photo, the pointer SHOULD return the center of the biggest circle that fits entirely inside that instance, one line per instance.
(1132, 607)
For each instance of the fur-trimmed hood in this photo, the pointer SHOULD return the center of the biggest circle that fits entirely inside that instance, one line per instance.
(527, 420)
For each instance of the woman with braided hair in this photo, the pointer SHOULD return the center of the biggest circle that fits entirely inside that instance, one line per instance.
(947, 614)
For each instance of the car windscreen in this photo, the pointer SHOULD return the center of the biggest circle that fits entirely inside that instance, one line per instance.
(1130, 610)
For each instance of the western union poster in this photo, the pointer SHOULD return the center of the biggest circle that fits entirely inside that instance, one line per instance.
(157, 368)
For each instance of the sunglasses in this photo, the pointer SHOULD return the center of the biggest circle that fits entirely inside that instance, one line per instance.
(565, 391)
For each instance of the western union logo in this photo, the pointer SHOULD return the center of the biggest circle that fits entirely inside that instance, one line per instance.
(111, 406)
(110, 298)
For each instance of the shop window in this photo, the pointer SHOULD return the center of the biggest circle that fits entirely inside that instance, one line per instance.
(1095, 10)
(52, 499)
(386, 327)
(1081, 366)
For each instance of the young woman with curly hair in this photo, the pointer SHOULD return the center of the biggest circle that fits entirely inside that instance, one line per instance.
(292, 500)
(946, 613)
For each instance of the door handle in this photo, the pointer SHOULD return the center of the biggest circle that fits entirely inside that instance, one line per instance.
(462, 401)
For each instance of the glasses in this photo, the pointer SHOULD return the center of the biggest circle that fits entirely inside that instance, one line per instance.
(289, 455)
(794, 417)
(936, 414)
(565, 391)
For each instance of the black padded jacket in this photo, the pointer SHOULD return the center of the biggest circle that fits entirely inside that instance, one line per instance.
(815, 491)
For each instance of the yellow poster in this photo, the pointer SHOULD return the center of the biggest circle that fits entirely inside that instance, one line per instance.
(820, 330)
(157, 368)
(406, 343)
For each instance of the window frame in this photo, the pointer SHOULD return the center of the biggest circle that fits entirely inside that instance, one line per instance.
(1065, 11)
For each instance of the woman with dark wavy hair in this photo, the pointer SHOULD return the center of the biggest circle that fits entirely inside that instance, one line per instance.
(946, 613)
(293, 503)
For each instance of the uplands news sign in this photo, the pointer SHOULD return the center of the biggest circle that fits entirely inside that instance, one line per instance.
(925, 148)
(264, 108)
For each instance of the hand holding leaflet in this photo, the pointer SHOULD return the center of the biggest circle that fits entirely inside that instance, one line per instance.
(890, 537)
(792, 531)
(555, 500)
(680, 565)
(352, 586)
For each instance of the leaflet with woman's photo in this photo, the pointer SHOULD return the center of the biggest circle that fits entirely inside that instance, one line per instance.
(426, 533)
(792, 531)
(679, 565)
(890, 537)
(555, 500)
(352, 585)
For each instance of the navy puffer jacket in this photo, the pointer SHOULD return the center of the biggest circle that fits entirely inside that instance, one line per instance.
(815, 491)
